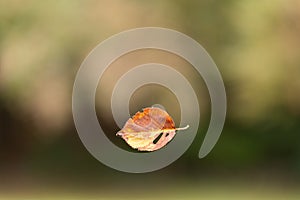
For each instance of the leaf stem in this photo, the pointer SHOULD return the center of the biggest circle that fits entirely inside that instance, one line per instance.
(182, 128)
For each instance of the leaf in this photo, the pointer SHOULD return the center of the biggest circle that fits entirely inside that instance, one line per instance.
(149, 130)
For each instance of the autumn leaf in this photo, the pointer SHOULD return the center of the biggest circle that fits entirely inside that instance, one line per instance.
(149, 130)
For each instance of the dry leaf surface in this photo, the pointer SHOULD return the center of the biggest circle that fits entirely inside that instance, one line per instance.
(149, 130)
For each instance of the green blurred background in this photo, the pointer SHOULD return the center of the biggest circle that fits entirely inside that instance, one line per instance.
(256, 46)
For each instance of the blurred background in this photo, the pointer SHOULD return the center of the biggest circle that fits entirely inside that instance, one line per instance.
(256, 46)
